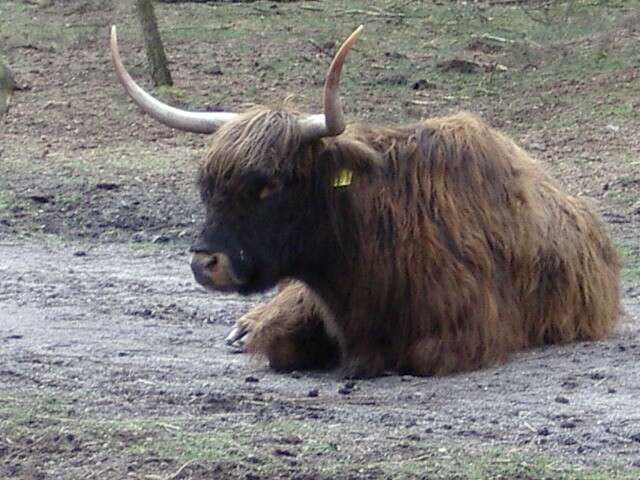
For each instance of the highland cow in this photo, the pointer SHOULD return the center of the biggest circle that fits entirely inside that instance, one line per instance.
(427, 249)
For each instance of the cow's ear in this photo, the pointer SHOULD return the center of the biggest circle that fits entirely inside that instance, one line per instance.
(350, 154)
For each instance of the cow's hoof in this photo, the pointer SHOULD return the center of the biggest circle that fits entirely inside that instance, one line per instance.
(237, 336)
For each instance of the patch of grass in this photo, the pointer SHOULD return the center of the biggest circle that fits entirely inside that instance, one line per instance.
(37, 412)
(27, 27)
(7, 199)
(630, 257)
(266, 448)
(624, 190)
(116, 162)
(214, 446)
(109, 163)
(73, 197)
(158, 245)
(276, 446)
(499, 463)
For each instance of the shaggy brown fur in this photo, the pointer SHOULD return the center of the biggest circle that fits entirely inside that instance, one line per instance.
(455, 248)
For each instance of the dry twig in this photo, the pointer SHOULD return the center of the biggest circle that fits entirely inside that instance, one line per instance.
(179, 471)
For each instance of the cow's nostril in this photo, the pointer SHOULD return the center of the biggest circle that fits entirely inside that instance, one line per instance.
(213, 261)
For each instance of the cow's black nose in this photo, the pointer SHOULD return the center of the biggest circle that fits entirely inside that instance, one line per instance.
(199, 246)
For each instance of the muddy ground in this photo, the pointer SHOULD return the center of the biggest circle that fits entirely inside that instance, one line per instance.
(109, 337)
(112, 360)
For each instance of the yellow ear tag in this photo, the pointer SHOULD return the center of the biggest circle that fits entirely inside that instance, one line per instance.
(343, 178)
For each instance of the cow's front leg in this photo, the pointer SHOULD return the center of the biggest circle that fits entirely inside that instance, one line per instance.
(289, 331)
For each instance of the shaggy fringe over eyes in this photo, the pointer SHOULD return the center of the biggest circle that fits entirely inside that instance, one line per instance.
(261, 139)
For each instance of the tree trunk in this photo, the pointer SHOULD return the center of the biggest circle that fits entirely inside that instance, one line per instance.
(153, 44)
(7, 86)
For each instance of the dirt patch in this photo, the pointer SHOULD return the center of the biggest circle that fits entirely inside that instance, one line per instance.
(119, 350)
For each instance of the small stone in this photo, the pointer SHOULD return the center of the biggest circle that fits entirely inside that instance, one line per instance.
(544, 431)
(139, 237)
(80, 253)
(160, 239)
(636, 437)
(251, 379)
(459, 65)
(423, 84)
(313, 393)
(561, 399)
(394, 55)
(38, 198)
(392, 78)
(107, 186)
(568, 424)
(611, 390)
(344, 391)
(329, 45)
(281, 452)
(215, 70)
(569, 441)
(414, 437)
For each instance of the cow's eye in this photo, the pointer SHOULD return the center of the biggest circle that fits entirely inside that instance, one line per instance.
(258, 187)
(267, 190)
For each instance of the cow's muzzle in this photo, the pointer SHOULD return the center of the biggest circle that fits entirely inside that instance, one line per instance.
(215, 270)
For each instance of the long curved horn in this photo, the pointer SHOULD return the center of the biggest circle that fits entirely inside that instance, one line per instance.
(198, 122)
(331, 123)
